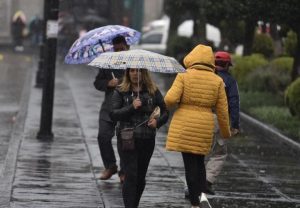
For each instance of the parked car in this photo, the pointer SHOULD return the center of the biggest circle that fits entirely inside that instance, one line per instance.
(155, 34)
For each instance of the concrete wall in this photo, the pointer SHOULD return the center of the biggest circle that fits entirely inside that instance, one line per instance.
(8, 9)
(5, 19)
(29, 7)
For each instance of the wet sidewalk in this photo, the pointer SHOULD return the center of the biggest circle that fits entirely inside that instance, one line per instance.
(54, 173)
(65, 172)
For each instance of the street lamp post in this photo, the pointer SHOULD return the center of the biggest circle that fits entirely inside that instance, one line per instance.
(40, 72)
(51, 9)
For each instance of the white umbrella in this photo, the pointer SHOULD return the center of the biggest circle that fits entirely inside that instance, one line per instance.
(137, 59)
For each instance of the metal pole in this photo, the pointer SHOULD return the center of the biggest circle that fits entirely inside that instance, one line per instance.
(45, 131)
(39, 74)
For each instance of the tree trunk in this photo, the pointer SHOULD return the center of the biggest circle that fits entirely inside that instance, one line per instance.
(199, 30)
(116, 12)
(174, 23)
(276, 39)
(249, 37)
(296, 66)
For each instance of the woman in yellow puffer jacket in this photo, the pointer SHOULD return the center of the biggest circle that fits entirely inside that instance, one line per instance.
(196, 93)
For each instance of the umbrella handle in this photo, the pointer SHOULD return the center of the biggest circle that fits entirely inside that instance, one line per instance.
(102, 45)
(113, 75)
(138, 93)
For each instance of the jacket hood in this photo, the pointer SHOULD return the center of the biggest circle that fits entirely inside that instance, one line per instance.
(201, 57)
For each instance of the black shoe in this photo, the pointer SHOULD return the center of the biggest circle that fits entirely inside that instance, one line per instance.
(186, 193)
(208, 189)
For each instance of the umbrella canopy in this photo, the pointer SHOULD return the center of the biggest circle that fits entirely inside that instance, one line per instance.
(137, 59)
(19, 14)
(97, 41)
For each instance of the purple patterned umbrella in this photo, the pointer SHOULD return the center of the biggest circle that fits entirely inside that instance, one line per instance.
(97, 41)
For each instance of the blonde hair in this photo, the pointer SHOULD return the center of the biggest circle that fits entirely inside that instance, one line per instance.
(145, 78)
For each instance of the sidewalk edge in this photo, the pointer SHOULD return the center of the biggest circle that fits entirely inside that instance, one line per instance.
(17, 134)
(267, 131)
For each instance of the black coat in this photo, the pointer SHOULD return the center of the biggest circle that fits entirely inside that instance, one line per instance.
(124, 112)
(100, 83)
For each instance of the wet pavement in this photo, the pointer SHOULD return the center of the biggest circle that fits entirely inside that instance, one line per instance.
(12, 80)
(65, 172)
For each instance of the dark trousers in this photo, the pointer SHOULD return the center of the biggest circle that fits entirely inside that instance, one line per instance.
(105, 135)
(136, 164)
(195, 175)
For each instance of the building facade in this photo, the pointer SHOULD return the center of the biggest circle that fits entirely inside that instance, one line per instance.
(9, 7)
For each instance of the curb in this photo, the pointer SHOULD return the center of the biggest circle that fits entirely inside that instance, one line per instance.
(9, 167)
(268, 132)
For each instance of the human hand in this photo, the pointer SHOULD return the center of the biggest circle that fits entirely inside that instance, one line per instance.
(137, 103)
(113, 82)
(152, 123)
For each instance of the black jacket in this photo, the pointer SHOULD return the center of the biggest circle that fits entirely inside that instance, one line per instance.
(124, 112)
(100, 83)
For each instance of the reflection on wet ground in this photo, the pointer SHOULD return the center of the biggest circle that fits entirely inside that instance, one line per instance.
(54, 173)
(258, 173)
(65, 172)
(12, 78)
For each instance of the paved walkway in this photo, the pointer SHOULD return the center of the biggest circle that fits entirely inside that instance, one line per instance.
(65, 172)
(54, 173)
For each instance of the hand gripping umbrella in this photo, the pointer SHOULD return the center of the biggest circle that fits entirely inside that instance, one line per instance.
(98, 41)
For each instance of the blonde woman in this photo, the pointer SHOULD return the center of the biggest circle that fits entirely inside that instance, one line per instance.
(196, 93)
(132, 104)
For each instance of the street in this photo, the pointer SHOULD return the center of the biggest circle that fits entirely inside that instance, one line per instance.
(65, 172)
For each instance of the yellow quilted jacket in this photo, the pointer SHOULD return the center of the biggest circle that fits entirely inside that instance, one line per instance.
(196, 93)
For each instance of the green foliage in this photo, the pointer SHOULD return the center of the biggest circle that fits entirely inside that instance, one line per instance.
(245, 65)
(267, 79)
(233, 32)
(270, 108)
(273, 78)
(263, 44)
(280, 118)
(259, 99)
(292, 97)
(282, 64)
(290, 44)
(285, 12)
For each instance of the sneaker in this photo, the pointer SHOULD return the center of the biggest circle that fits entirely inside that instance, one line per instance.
(108, 173)
(204, 203)
(208, 188)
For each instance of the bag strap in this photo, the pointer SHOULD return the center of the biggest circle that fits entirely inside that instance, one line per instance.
(138, 125)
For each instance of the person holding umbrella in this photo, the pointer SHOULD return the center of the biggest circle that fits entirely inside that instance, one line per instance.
(92, 44)
(133, 102)
(106, 81)
(197, 93)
